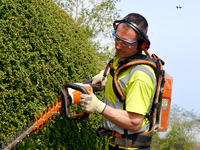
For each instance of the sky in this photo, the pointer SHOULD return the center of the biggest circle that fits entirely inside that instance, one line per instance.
(174, 35)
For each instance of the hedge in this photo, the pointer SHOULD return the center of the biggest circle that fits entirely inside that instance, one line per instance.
(41, 48)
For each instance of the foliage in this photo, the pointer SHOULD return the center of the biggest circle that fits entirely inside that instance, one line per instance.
(182, 132)
(179, 137)
(41, 48)
(96, 17)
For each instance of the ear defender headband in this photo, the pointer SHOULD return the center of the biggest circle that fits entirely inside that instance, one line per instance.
(143, 41)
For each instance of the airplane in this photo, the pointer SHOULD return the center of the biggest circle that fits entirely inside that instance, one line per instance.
(179, 7)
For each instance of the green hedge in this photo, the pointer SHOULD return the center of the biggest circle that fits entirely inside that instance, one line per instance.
(40, 49)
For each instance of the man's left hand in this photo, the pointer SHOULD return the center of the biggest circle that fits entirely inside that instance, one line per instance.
(91, 103)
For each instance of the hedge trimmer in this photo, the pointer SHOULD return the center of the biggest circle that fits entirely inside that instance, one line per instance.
(70, 94)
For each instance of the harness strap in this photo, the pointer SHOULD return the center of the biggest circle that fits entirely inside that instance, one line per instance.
(116, 86)
(137, 140)
(106, 69)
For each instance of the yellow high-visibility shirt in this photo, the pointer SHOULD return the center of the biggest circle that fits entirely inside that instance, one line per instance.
(138, 91)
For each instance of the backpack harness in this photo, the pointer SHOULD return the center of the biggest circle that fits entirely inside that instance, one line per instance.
(143, 139)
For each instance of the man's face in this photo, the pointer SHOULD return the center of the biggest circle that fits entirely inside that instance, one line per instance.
(124, 49)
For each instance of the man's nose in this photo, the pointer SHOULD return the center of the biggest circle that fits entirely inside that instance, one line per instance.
(118, 45)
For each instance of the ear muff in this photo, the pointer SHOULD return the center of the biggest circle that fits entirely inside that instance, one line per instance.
(143, 41)
(143, 44)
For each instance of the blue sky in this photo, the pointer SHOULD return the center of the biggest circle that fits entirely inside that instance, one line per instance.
(174, 35)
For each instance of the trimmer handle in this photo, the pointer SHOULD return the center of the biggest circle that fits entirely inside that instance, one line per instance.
(67, 100)
(95, 87)
(88, 81)
(76, 87)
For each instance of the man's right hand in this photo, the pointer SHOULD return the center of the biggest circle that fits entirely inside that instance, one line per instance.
(99, 78)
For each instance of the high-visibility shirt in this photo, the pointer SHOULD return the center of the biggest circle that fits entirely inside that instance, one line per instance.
(138, 85)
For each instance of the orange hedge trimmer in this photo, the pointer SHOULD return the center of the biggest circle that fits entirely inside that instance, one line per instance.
(70, 94)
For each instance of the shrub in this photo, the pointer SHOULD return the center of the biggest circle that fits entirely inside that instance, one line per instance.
(41, 48)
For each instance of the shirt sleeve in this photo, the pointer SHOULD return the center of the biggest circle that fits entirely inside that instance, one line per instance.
(139, 92)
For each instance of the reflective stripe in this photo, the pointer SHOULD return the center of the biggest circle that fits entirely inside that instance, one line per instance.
(121, 147)
(119, 105)
(109, 125)
(124, 81)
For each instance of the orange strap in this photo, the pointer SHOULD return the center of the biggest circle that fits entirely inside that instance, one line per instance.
(127, 65)
(157, 88)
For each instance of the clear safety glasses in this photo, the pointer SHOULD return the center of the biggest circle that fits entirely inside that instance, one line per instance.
(122, 41)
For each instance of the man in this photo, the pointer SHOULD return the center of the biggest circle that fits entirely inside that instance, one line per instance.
(126, 116)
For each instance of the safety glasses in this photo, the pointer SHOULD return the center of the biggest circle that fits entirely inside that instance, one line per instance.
(122, 41)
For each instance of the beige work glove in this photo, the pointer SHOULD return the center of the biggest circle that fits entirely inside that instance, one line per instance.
(99, 78)
(91, 103)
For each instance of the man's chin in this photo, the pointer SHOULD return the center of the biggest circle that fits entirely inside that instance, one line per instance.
(118, 54)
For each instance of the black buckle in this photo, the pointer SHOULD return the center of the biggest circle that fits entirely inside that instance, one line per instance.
(101, 132)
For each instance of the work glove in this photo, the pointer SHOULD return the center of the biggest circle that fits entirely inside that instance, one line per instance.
(91, 103)
(99, 78)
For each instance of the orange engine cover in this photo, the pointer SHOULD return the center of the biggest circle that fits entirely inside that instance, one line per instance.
(166, 102)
